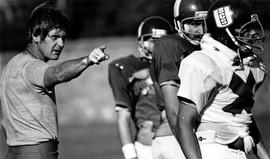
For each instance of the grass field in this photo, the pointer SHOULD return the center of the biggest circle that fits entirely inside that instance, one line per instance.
(96, 141)
(86, 106)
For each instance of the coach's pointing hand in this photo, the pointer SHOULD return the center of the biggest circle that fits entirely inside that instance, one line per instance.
(98, 55)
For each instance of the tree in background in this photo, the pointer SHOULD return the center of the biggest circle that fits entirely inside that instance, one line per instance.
(91, 18)
(113, 17)
(13, 18)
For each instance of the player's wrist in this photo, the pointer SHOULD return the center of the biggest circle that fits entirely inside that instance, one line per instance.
(86, 60)
(129, 151)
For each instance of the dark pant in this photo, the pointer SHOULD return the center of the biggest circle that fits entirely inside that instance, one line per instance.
(44, 150)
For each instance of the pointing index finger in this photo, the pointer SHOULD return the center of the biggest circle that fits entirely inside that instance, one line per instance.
(106, 57)
(102, 48)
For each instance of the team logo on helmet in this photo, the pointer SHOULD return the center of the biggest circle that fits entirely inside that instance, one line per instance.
(149, 30)
(199, 14)
(223, 16)
(157, 33)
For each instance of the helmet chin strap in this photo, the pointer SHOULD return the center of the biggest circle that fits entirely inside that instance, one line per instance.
(232, 37)
(259, 48)
(183, 35)
(145, 53)
(246, 48)
(194, 42)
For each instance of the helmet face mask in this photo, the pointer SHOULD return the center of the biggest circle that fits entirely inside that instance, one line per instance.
(146, 47)
(252, 35)
(232, 23)
(190, 19)
(194, 28)
(149, 30)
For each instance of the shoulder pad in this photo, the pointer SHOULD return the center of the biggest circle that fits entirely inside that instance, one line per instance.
(175, 39)
(130, 64)
(176, 42)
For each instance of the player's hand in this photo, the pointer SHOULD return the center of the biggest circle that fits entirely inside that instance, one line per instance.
(145, 134)
(98, 55)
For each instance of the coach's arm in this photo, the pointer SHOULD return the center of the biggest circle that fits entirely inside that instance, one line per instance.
(71, 69)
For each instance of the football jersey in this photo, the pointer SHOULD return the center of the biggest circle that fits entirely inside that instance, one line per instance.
(167, 55)
(133, 89)
(221, 92)
(168, 52)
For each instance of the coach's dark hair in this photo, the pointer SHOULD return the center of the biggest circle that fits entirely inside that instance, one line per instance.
(43, 19)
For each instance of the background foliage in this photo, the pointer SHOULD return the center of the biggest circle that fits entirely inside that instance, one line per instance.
(86, 106)
(92, 18)
(88, 18)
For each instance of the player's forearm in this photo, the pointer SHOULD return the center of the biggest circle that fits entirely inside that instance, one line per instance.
(171, 116)
(65, 71)
(171, 104)
(124, 132)
(128, 147)
(188, 141)
(261, 151)
(186, 116)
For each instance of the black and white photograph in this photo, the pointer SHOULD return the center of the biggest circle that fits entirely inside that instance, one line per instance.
(140, 79)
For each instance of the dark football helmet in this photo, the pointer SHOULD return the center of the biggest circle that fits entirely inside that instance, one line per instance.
(233, 23)
(190, 18)
(150, 29)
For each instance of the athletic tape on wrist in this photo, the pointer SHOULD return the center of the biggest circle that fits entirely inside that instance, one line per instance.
(129, 151)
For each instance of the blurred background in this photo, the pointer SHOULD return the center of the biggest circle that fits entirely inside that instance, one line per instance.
(85, 105)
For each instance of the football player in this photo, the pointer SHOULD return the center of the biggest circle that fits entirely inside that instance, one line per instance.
(189, 16)
(218, 85)
(134, 93)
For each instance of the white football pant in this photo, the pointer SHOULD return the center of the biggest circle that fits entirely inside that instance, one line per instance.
(143, 151)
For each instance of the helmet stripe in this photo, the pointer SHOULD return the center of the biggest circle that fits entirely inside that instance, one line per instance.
(176, 8)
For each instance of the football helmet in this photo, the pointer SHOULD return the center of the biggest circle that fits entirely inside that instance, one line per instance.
(150, 29)
(233, 23)
(190, 19)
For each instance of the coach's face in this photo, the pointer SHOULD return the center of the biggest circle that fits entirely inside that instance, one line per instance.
(53, 44)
